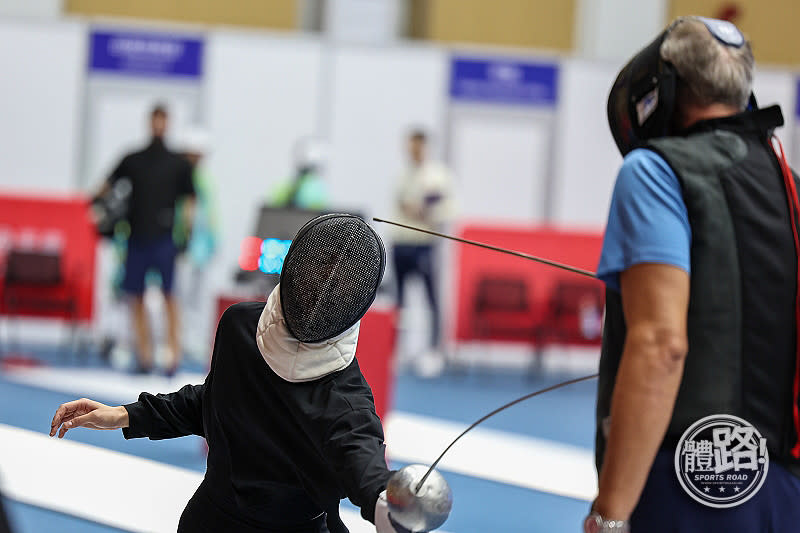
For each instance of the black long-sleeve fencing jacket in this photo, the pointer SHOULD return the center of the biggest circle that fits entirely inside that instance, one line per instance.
(280, 453)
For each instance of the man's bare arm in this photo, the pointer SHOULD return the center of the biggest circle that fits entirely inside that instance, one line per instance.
(655, 300)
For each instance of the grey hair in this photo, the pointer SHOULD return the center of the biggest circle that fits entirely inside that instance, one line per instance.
(711, 71)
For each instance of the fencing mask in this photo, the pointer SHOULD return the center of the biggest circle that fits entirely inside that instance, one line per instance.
(330, 276)
(642, 99)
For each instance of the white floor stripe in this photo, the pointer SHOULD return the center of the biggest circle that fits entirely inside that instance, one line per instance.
(119, 490)
(101, 485)
(499, 456)
(495, 455)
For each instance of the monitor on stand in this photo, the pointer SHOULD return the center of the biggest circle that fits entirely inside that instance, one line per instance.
(262, 252)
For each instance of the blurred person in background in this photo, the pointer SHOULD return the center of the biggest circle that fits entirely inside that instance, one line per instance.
(197, 235)
(700, 262)
(424, 199)
(110, 216)
(158, 179)
(306, 189)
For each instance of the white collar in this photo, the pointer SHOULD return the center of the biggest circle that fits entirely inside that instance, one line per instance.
(297, 361)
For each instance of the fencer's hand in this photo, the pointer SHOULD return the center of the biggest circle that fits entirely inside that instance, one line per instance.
(383, 521)
(87, 414)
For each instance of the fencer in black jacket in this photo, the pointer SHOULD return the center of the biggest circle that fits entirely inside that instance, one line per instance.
(291, 428)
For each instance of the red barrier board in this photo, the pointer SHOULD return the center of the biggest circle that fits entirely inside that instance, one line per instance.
(58, 225)
(375, 352)
(506, 298)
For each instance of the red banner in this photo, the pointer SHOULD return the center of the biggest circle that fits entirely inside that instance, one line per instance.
(506, 298)
(34, 229)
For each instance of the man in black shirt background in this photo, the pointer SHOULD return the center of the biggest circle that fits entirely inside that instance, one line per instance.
(158, 179)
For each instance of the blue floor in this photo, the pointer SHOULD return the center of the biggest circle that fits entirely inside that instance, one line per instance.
(565, 415)
(30, 519)
(36, 412)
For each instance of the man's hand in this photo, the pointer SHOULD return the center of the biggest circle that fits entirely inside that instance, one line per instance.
(89, 414)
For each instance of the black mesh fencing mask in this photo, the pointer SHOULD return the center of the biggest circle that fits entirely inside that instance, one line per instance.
(330, 276)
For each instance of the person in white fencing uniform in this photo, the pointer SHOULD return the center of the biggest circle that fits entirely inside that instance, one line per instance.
(424, 199)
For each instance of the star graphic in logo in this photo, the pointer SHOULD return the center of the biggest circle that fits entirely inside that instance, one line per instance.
(736, 489)
(707, 489)
(722, 489)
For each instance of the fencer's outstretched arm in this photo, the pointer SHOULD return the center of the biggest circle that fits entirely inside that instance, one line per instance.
(166, 416)
(160, 416)
(87, 413)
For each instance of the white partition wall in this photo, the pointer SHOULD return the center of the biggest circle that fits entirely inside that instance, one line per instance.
(793, 122)
(773, 86)
(378, 94)
(586, 159)
(31, 8)
(261, 95)
(616, 29)
(501, 158)
(40, 95)
(500, 131)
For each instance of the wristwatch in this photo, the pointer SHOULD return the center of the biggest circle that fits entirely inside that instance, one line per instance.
(595, 523)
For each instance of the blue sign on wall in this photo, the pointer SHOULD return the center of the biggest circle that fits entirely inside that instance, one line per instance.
(797, 100)
(503, 81)
(145, 54)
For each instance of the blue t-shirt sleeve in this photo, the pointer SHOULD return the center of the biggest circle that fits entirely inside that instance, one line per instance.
(647, 221)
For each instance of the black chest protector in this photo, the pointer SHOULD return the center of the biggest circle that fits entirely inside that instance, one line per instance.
(741, 321)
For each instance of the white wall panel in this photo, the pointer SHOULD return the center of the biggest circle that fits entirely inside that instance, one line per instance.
(261, 96)
(31, 8)
(616, 29)
(43, 66)
(779, 87)
(380, 93)
(586, 159)
(501, 160)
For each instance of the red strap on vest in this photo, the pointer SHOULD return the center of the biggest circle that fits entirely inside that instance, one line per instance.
(794, 211)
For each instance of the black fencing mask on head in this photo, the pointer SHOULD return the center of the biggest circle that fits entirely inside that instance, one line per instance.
(330, 276)
(642, 100)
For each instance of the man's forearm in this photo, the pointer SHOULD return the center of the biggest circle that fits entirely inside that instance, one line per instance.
(644, 396)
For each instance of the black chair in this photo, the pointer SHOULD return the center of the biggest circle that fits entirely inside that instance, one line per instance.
(567, 302)
(501, 308)
(34, 283)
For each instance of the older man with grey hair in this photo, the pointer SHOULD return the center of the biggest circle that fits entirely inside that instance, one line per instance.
(698, 426)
